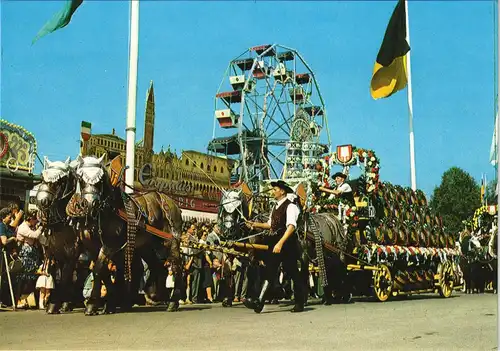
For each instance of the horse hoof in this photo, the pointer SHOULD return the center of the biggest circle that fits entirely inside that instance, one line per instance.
(173, 307)
(66, 307)
(52, 309)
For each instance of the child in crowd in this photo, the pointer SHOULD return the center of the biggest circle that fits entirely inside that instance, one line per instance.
(45, 283)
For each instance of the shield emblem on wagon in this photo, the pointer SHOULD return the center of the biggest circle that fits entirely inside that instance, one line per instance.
(344, 153)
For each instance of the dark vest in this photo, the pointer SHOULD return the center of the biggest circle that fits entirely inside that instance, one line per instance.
(278, 219)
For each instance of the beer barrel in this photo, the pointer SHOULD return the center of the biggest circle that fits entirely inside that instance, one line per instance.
(434, 237)
(426, 216)
(442, 238)
(395, 210)
(400, 193)
(437, 220)
(450, 240)
(413, 236)
(421, 234)
(412, 196)
(421, 198)
(406, 213)
(390, 235)
(402, 231)
(426, 234)
(379, 234)
(417, 216)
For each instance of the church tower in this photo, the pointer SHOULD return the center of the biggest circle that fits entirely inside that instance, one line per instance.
(149, 124)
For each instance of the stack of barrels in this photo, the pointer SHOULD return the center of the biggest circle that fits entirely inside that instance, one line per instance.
(407, 220)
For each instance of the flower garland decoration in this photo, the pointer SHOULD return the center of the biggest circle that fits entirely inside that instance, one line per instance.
(482, 218)
(372, 168)
(375, 253)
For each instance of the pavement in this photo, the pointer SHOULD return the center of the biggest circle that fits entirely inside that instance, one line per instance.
(420, 322)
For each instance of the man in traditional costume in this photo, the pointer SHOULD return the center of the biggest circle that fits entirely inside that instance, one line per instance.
(284, 242)
(342, 190)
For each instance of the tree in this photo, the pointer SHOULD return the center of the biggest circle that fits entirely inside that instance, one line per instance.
(456, 198)
(491, 197)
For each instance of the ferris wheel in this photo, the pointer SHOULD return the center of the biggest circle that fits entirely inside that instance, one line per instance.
(269, 116)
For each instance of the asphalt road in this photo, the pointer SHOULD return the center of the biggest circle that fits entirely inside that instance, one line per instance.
(462, 322)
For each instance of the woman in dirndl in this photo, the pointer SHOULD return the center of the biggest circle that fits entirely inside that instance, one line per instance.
(27, 237)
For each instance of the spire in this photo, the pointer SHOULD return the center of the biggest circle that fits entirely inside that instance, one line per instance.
(149, 121)
(151, 94)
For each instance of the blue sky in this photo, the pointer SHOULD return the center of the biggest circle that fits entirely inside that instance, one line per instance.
(80, 73)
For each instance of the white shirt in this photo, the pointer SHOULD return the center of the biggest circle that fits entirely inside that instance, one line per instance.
(344, 188)
(170, 283)
(292, 213)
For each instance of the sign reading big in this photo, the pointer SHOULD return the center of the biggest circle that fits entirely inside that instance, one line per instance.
(17, 147)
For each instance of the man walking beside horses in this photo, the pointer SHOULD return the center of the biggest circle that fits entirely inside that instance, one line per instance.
(284, 243)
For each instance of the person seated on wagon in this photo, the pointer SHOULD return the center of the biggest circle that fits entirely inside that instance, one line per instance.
(342, 190)
(323, 174)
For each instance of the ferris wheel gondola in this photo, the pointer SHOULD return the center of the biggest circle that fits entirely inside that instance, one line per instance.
(270, 115)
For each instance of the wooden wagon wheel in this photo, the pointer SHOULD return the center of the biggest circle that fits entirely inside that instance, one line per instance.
(382, 283)
(445, 280)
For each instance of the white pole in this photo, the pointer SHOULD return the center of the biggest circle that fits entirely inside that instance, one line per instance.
(410, 106)
(498, 158)
(132, 94)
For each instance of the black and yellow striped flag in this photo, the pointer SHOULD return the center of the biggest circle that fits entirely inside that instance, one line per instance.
(389, 72)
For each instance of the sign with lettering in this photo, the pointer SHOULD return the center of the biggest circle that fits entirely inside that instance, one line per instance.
(17, 147)
(190, 203)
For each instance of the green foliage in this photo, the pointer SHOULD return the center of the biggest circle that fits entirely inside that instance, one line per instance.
(456, 198)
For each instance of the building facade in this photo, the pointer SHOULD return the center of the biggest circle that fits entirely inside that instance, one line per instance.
(17, 163)
(193, 179)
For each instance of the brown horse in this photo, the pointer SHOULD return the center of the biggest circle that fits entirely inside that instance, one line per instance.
(96, 206)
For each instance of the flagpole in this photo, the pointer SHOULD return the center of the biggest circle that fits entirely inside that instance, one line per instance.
(410, 105)
(498, 156)
(132, 94)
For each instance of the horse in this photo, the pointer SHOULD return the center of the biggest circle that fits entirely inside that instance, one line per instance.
(478, 262)
(61, 242)
(96, 208)
(234, 209)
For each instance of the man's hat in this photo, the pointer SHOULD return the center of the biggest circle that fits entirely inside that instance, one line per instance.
(339, 174)
(282, 185)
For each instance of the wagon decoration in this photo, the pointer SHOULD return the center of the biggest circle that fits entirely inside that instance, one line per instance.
(393, 232)
(483, 217)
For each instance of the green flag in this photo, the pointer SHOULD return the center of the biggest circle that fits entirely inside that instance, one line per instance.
(60, 19)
